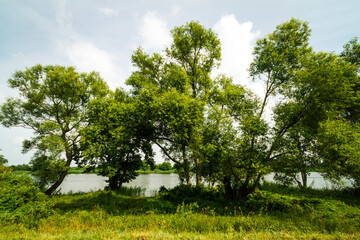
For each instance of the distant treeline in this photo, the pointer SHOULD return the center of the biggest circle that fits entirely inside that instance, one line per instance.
(146, 168)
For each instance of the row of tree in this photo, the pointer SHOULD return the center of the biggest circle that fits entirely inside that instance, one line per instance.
(208, 127)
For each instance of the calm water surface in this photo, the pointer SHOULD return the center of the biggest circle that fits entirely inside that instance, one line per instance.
(152, 182)
(92, 182)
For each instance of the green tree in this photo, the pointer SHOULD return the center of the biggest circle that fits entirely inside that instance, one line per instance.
(180, 84)
(340, 149)
(224, 133)
(277, 57)
(113, 141)
(321, 90)
(339, 134)
(165, 166)
(52, 102)
(3, 160)
(309, 87)
(301, 156)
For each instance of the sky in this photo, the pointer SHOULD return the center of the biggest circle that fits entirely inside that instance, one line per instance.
(101, 36)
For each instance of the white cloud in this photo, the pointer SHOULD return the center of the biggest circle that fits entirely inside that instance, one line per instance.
(86, 57)
(236, 47)
(153, 32)
(237, 43)
(107, 11)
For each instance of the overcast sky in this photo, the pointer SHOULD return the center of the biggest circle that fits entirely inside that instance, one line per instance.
(101, 36)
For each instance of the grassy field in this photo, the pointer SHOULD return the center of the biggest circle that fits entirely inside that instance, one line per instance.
(273, 212)
(108, 215)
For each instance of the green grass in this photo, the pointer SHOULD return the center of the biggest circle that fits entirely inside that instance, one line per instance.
(98, 224)
(274, 212)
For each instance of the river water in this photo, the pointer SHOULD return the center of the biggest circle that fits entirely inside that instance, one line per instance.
(92, 182)
(152, 182)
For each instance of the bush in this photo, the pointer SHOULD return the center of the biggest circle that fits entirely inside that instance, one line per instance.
(20, 199)
(267, 201)
(184, 194)
(165, 166)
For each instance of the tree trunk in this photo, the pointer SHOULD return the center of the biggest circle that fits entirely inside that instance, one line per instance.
(198, 172)
(69, 158)
(304, 178)
(186, 166)
(243, 192)
(228, 189)
(298, 182)
(114, 182)
(63, 174)
(53, 187)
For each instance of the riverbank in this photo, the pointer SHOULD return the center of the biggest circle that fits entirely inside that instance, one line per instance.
(273, 212)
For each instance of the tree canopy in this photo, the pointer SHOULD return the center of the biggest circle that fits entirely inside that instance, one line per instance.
(208, 126)
(52, 102)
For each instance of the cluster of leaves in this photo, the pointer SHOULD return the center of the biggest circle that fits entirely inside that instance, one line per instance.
(20, 200)
(52, 103)
(184, 194)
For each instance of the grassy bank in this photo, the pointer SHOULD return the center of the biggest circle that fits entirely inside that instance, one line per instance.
(266, 215)
(97, 224)
(273, 212)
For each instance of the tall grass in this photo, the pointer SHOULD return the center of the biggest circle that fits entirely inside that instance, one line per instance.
(132, 191)
(184, 212)
(98, 224)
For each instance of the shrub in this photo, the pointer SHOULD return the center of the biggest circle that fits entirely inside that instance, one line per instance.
(20, 200)
(267, 201)
(165, 166)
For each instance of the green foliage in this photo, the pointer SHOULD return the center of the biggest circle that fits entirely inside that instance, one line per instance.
(197, 50)
(52, 102)
(3, 160)
(203, 196)
(339, 144)
(22, 167)
(173, 91)
(351, 51)
(17, 190)
(113, 141)
(267, 201)
(165, 166)
(278, 55)
(20, 200)
(46, 169)
(314, 87)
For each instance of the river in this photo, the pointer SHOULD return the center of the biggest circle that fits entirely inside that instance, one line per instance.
(152, 182)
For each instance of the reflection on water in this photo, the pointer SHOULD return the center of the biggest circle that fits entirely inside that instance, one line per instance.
(152, 182)
(315, 180)
(92, 182)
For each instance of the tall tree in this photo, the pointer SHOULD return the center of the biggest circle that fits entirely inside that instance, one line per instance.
(185, 75)
(230, 119)
(339, 136)
(113, 141)
(52, 102)
(277, 57)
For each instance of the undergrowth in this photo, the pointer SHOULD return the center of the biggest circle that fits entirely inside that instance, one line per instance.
(26, 211)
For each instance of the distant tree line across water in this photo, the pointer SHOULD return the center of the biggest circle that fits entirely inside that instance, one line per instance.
(145, 168)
